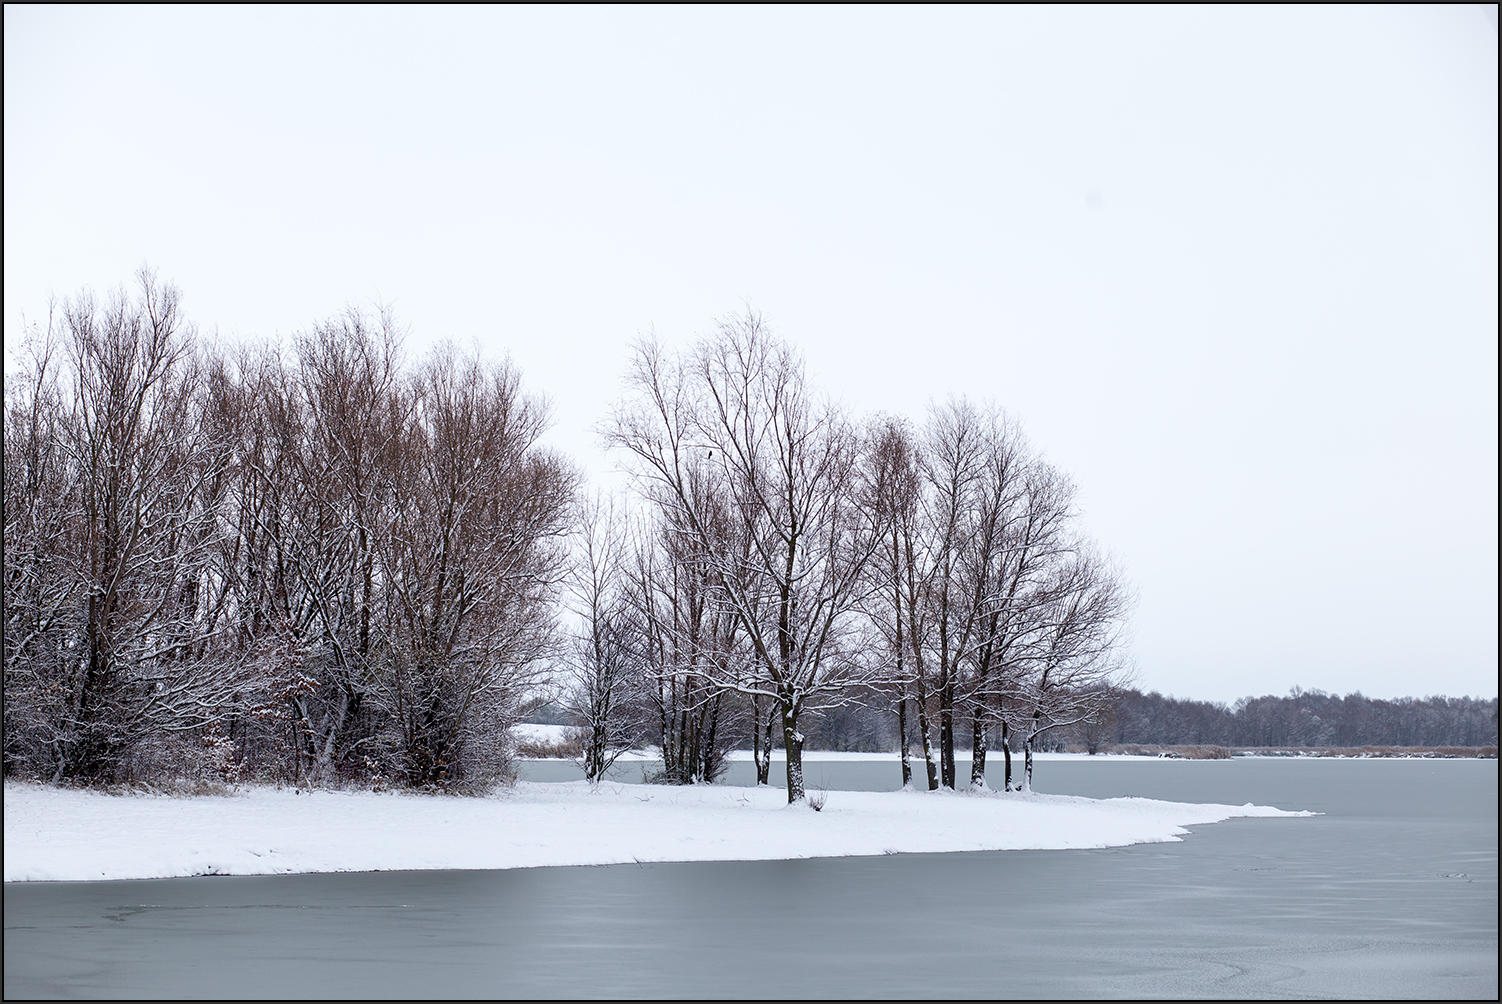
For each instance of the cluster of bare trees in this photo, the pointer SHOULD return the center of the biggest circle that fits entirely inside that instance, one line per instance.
(111, 492)
(314, 565)
(991, 603)
(320, 563)
(801, 563)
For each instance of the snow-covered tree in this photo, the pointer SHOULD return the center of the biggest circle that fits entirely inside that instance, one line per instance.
(1077, 666)
(744, 462)
(606, 663)
(974, 528)
(899, 573)
(112, 507)
(470, 553)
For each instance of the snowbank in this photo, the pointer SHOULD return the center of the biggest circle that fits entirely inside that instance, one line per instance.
(64, 834)
(541, 733)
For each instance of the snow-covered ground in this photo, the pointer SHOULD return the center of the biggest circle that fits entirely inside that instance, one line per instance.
(541, 733)
(65, 834)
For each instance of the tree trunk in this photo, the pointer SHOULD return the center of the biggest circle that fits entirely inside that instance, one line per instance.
(907, 767)
(979, 717)
(594, 765)
(1006, 753)
(711, 763)
(946, 731)
(928, 753)
(1027, 752)
(761, 738)
(757, 754)
(978, 745)
(792, 742)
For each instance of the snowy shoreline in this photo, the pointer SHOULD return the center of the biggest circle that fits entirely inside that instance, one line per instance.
(60, 834)
(651, 755)
(558, 734)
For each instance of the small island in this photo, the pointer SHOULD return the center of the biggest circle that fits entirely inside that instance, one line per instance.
(56, 834)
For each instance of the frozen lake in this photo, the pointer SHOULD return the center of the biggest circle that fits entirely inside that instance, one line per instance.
(1393, 892)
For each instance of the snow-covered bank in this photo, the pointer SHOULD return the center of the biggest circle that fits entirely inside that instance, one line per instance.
(65, 834)
(542, 733)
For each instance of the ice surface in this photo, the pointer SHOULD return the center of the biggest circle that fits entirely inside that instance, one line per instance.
(1391, 892)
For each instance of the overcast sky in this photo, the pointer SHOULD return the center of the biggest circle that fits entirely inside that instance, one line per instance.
(1234, 269)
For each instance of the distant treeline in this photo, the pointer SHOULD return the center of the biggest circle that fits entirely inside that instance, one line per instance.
(1307, 718)
(1301, 718)
(1310, 718)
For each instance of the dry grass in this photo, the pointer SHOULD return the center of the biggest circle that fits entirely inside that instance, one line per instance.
(1223, 752)
(187, 787)
(540, 749)
(1172, 752)
(1434, 752)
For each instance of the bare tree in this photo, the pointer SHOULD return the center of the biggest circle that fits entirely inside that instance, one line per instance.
(1076, 670)
(1024, 532)
(607, 664)
(974, 530)
(959, 518)
(124, 585)
(892, 492)
(945, 534)
(42, 603)
(394, 552)
(742, 461)
(1097, 731)
(691, 643)
(254, 409)
(470, 556)
(326, 454)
